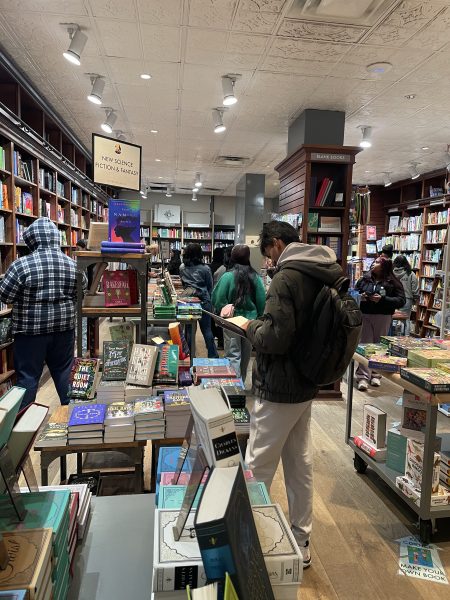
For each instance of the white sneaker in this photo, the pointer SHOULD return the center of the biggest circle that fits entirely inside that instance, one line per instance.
(375, 381)
(362, 385)
(306, 554)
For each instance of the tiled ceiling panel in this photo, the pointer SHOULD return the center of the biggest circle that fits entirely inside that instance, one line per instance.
(288, 57)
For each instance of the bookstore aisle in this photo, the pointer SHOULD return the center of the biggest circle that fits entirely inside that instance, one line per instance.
(356, 517)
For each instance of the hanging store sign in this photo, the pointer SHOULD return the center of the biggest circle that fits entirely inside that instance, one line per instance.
(116, 163)
(323, 156)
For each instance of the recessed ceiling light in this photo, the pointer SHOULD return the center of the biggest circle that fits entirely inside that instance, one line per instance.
(410, 96)
(367, 171)
(153, 131)
(146, 76)
(379, 68)
(157, 160)
(425, 147)
(160, 177)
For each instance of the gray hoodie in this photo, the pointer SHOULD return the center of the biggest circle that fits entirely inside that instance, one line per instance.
(410, 285)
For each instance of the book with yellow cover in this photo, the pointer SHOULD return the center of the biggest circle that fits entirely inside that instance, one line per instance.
(428, 357)
(30, 552)
(382, 362)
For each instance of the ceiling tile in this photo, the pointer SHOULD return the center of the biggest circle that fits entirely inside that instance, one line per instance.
(161, 43)
(299, 67)
(205, 47)
(124, 70)
(62, 7)
(239, 43)
(120, 38)
(255, 22)
(160, 12)
(321, 31)
(309, 50)
(216, 14)
(113, 9)
(274, 6)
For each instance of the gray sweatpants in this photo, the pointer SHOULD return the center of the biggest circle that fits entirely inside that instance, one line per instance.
(373, 327)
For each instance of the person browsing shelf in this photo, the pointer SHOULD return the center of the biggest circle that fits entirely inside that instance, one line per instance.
(410, 283)
(197, 276)
(381, 295)
(42, 289)
(243, 288)
(281, 417)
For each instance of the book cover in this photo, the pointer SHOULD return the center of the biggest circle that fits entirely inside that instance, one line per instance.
(27, 425)
(88, 415)
(371, 232)
(176, 398)
(30, 555)
(124, 220)
(313, 221)
(123, 331)
(151, 408)
(177, 337)
(9, 407)
(241, 416)
(210, 362)
(116, 286)
(414, 416)
(431, 380)
(115, 360)
(83, 378)
(227, 535)
(141, 366)
(171, 496)
(166, 369)
(383, 362)
(119, 412)
(396, 451)
(374, 426)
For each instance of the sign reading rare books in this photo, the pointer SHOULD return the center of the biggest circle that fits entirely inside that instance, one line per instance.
(116, 163)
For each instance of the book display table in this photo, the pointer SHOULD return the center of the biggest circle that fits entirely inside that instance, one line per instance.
(134, 450)
(424, 510)
(115, 559)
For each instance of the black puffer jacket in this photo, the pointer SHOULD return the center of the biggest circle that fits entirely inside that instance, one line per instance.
(279, 335)
(393, 296)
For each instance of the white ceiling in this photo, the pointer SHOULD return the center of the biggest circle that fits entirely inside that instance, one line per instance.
(290, 57)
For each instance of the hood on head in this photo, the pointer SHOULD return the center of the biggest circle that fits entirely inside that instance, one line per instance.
(313, 260)
(42, 233)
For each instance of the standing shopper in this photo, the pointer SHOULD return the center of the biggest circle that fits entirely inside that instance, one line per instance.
(42, 289)
(196, 275)
(410, 283)
(243, 288)
(281, 418)
(381, 295)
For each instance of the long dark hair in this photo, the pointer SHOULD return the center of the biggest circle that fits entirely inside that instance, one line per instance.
(244, 275)
(193, 255)
(401, 262)
(387, 273)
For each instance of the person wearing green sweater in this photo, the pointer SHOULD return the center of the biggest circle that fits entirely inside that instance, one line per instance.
(244, 288)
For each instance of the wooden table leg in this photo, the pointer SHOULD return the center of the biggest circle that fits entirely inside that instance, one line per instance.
(79, 463)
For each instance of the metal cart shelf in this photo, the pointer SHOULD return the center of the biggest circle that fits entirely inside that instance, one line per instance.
(425, 511)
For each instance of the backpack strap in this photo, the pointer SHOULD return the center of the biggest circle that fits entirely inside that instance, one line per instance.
(341, 284)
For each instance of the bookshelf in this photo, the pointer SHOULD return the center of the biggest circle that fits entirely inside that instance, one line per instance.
(316, 182)
(224, 236)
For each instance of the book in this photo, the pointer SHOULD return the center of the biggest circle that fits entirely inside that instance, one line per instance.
(148, 408)
(210, 362)
(440, 498)
(9, 407)
(171, 496)
(414, 464)
(371, 233)
(117, 288)
(29, 559)
(382, 362)
(233, 324)
(431, 380)
(313, 221)
(141, 366)
(396, 450)
(83, 378)
(214, 427)
(427, 357)
(177, 337)
(98, 232)
(24, 432)
(87, 417)
(227, 535)
(414, 416)
(14, 595)
(173, 399)
(119, 413)
(368, 350)
(378, 454)
(374, 426)
(123, 331)
(115, 360)
(445, 457)
(166, 369)
(124, 220)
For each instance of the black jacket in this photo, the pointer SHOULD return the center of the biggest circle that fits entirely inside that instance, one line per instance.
(393, 297)
(278, 336)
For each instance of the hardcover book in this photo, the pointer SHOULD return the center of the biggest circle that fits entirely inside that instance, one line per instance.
(166, 370)
(119, 412)
(87, 417)
(146, 409)
(396, 451)
(9, 407)
(227, 535)
(123, 331)
(117, 288)
(175, 398)
(374, 426)
(414, 464)
(431, 380)
(141, 366)
(414, 416)
(115, 360)
(124, 220)
(391, 364)
(83, 378)
(30, 554)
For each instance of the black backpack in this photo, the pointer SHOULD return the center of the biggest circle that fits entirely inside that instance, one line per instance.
(334, 332)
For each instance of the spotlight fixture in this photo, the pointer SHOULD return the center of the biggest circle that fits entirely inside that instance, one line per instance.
(228, 83)
(146, 76)
(217, 114)
(415, 173)
(194, 196)
(119, 135)
(143, 194)
(387, 179)
(98, 85)
(195, 190)
(198, 182)
(168, 192)
(108, 123)
(366, 135)
(77, 43)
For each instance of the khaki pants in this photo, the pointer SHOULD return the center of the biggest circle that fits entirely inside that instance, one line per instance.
(283, 431)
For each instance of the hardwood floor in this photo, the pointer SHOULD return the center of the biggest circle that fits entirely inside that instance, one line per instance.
(357, 518)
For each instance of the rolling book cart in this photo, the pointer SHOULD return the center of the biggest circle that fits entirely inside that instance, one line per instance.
(424, 510)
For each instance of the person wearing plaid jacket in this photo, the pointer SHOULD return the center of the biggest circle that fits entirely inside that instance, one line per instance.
(42, 290)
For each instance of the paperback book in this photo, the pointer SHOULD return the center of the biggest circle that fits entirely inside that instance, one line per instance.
(142, 364)
(374, 426)
(391, 364)
(124, 220)
(431, 380)
(83, 378)
(115, 360)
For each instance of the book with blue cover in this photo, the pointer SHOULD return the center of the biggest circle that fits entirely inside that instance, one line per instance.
(174, 398)
(14, 595)
(124, 221)
(210, 362)
(167, 461)
(171, 496)
(87, 417)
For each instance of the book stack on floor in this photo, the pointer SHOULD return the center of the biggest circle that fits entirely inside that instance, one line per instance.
(28, 574)
(373, 438)
(110, 391)
(49, 510)
(149, 418)
(119, 423)
(86, 424)
(178, 411)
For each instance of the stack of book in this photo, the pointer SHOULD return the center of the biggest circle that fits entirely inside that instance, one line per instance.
(444, 471)
(384, 362)
(119, 423)
(427, 358)
(133, 392)
(86, 424)
(166, 466)
(29, 570)
(149, 418)
(177, 408)
(49, 510)
(368, 350)
(226, 382)
(164, 311)
(434, 381)
(122, 248)
(110, 391)
(404, 346)
(53, 434)
(241, 418)
(212, 372)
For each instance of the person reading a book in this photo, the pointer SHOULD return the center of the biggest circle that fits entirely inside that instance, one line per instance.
(381, 295)
(243, 288)
(42, 289)
(281, 417)
(197, 276)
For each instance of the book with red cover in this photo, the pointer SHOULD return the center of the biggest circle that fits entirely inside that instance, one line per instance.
(116, 285)
(323, 187)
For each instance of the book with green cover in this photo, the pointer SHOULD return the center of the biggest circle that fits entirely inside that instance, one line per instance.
(313, 221)
(123, 331)
(171, 496)
(427, 357)
(9, 407)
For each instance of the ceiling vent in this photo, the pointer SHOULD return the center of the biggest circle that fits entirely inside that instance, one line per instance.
(353, 12)
(231, 161)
